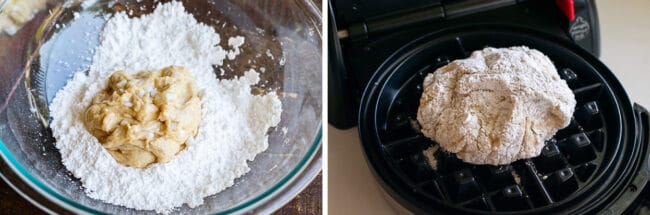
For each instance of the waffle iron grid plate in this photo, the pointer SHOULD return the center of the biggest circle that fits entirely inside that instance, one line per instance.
(584, 166)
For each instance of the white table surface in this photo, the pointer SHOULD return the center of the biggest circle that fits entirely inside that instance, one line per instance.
(625, 39)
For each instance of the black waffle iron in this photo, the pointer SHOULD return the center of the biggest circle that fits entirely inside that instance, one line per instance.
(380, 51)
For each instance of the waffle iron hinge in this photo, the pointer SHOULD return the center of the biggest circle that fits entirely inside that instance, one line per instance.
(407, 18)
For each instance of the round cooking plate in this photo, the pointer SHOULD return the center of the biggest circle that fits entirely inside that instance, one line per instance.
(584, 168)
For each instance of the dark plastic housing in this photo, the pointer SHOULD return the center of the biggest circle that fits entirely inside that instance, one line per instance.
(587, 167)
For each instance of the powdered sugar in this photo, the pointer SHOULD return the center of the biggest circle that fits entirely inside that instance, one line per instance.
(235, 43)
(232, 131)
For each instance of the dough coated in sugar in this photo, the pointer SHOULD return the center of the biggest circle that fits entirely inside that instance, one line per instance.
(495, 107)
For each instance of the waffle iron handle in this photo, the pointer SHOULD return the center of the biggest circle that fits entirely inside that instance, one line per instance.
(640, 180)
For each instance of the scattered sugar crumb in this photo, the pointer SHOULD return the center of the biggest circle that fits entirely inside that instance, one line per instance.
(415, 125)
(269, 54)
(516, 177)
(428, 155)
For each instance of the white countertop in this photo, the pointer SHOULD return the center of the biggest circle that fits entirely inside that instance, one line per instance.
(625, 39)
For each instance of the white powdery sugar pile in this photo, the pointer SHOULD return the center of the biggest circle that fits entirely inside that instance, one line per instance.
(232, 131)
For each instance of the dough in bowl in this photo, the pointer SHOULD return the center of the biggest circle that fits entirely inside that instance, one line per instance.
(495, 107)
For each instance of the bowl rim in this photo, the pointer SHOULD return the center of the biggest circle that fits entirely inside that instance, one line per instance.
(69, 204)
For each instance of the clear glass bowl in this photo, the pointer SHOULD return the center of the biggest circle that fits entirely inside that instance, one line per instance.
(40, 57)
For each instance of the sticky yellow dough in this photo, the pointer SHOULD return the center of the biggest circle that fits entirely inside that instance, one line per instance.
(147, 117)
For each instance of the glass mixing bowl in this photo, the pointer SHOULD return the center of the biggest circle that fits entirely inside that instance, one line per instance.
(38, 59)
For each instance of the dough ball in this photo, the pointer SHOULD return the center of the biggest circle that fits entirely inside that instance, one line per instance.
(495, 107)
(147, 117)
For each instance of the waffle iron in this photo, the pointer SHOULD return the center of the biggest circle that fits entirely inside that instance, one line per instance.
(381, 50)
